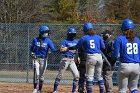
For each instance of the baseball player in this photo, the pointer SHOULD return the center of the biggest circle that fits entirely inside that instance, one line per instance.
(107, 69)
(82, 71)
(128, 45)
(68, 60)
(39, 52)
(93, 44)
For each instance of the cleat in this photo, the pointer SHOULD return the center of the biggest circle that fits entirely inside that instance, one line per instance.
(35, 91)
(81, 90)
(39, 91)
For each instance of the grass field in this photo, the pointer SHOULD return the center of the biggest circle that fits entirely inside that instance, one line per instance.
(27, 88)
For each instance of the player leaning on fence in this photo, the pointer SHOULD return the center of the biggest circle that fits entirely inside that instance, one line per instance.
(39, 52)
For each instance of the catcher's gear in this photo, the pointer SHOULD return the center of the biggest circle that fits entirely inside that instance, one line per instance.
(127, 24)
(87, 26)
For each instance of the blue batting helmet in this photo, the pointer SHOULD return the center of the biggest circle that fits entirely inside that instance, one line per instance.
(127, 24)
(71, 31)
(43, 28)
(87, 26)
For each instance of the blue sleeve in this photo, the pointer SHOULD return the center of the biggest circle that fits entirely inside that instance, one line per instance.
(51, 46)
(80, 43)
(116, 48)
(63, 43)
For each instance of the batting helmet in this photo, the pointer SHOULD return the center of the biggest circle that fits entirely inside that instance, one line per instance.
(127, 24)
(71, 31)
(87, 26)
(43, 28)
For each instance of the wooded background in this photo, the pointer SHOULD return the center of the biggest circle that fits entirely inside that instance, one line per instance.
(69, 11)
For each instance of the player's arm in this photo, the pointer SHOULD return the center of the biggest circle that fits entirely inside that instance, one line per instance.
(63, 46)
(79, 44)
(51, 46)
(32, 49)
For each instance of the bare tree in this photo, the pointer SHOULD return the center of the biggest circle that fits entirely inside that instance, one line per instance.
(18, 11)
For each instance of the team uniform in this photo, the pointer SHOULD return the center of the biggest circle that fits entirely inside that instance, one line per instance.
(68, 60)
(92, 45)
(128, 72)
(39, 52)
(107, 69)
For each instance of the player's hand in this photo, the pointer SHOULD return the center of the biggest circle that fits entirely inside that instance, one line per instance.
(63, 49)
(33, 56)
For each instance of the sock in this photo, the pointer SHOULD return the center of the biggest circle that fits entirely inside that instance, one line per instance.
(135, 91)
(40, 85)
(89, 86)
(75, 82)
(57, 81)
(81, 81)
(35, 85)
(101, 86)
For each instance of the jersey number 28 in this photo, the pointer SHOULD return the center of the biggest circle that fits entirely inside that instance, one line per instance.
(132, 48)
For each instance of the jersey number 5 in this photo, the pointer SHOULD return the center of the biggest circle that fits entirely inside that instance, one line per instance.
(132, 48)
(92, 45)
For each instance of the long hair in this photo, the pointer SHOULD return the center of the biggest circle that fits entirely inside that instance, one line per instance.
(129, 35)
(91, 32)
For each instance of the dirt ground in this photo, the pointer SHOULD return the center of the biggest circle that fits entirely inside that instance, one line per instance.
(27, 88)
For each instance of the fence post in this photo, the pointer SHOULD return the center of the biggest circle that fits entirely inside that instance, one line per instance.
(27, 78)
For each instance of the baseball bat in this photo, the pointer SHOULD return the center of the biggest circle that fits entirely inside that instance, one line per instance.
(106, 59)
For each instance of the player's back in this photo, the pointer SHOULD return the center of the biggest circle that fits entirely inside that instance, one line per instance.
(93, 44)
(129, 52)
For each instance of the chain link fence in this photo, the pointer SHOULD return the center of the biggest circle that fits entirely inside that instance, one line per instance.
(15, 40)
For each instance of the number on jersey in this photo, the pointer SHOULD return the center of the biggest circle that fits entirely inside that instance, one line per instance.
(132, 48)
(92, 45)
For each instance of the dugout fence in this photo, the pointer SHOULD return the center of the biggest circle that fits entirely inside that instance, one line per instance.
(15, 40)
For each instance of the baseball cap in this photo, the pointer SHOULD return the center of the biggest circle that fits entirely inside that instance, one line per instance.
(106, 32)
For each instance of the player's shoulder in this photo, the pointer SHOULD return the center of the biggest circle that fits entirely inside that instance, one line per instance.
(64, 40)
(76, 40)
(98, 36)
(120, 37)
(35, 38)
(137, 39)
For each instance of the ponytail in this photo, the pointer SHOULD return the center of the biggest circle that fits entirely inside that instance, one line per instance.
(130, 35)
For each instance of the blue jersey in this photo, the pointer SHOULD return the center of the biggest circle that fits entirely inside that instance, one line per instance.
(91, 43)
(129, 52)
(43, 49)
(69, 43)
